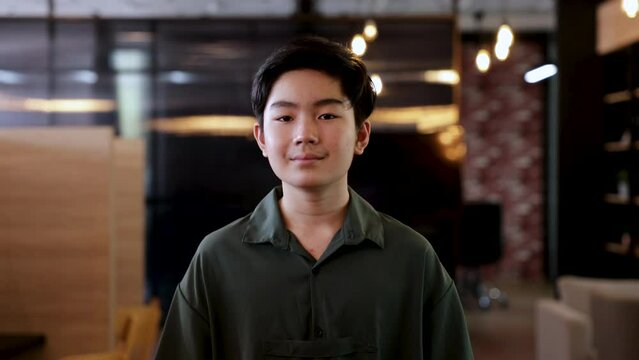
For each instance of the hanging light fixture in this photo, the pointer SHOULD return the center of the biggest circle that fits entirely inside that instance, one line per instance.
(370, 30)
(630, 7)
(482, 60)
(378, 85)
(505, 35)
(505, 39)
(358, 45)
(501, 51)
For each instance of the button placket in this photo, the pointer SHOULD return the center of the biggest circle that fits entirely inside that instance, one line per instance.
(317, 331)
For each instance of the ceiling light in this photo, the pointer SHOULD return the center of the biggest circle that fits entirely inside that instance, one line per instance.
(378, 85)
(180, 77)
(448, 77)
(129, 60)
(11, 77)
(505, 35)
(370, 30)
(358, 45)
(501, 51)
(85, 76)
(69, 105)
(224, 125)
(450, 135)
(630, 7)
(540, 73)
(482, 60)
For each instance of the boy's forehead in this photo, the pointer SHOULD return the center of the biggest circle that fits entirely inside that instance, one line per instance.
(296, 76)
(309, 73)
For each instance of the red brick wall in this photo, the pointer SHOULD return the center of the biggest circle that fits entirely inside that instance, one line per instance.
(503, 117)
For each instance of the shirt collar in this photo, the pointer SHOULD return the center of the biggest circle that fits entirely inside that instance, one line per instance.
(266, 224)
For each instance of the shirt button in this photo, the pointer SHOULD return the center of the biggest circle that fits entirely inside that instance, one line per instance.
(319, 332)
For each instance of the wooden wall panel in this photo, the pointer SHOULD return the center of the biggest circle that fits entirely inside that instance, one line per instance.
(614, 29)
(55, 237)
(129, 221)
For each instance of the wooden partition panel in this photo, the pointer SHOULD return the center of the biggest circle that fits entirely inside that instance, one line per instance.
(129, 221)
(56, 237)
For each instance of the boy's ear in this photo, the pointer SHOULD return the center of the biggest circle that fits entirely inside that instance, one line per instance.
(258, 133)
(363, 136)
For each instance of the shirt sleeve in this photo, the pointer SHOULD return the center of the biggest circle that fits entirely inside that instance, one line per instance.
(445, 334)
(186, 333)
(188, 329)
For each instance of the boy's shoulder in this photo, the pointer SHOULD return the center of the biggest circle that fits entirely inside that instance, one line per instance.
(396, 233)
(226, 236)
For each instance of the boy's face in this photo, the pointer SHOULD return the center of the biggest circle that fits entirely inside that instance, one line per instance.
(309, 133)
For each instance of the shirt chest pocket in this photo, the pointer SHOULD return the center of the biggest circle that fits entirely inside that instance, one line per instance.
(341, 348)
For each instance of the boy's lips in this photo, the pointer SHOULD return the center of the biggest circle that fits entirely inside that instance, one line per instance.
(307, 157)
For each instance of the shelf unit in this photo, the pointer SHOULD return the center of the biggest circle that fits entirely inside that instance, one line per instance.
(597, 94)
(620, 110)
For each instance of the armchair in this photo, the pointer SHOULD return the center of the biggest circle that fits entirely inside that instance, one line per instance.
(594, 319)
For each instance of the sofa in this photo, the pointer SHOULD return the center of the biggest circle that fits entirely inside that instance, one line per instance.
(593, 319)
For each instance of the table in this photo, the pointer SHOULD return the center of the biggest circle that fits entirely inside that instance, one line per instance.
(13, 344)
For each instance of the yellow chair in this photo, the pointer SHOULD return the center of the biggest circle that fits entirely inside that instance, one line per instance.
(102, 356)
(136, 334)
(137, 330)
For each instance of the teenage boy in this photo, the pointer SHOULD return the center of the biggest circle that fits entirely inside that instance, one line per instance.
(314, 271)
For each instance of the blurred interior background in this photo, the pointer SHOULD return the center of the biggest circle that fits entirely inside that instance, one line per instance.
(506, 132)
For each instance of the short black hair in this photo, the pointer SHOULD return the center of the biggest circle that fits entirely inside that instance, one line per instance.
(320, 54)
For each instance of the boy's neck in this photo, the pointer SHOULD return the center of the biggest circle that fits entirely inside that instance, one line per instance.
(314, 216)
(302, 207)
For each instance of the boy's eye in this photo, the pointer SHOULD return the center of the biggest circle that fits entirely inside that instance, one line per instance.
(285, 118)
(327, 116)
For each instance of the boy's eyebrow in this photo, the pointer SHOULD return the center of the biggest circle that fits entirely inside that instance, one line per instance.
(282, 104)
(330, 101)
(323, 102)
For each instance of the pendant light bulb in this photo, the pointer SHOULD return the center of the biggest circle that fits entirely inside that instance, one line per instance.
(505, 35)
(378, 85)
(482, 60)
(370, 30)
(501, 51)
(630, 7)
(358, 45)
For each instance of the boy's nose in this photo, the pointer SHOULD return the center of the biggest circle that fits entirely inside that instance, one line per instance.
(306, 132)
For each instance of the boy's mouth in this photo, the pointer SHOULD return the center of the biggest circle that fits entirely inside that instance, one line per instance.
(306, 157)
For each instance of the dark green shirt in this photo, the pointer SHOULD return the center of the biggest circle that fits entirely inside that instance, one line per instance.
(253, 292)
